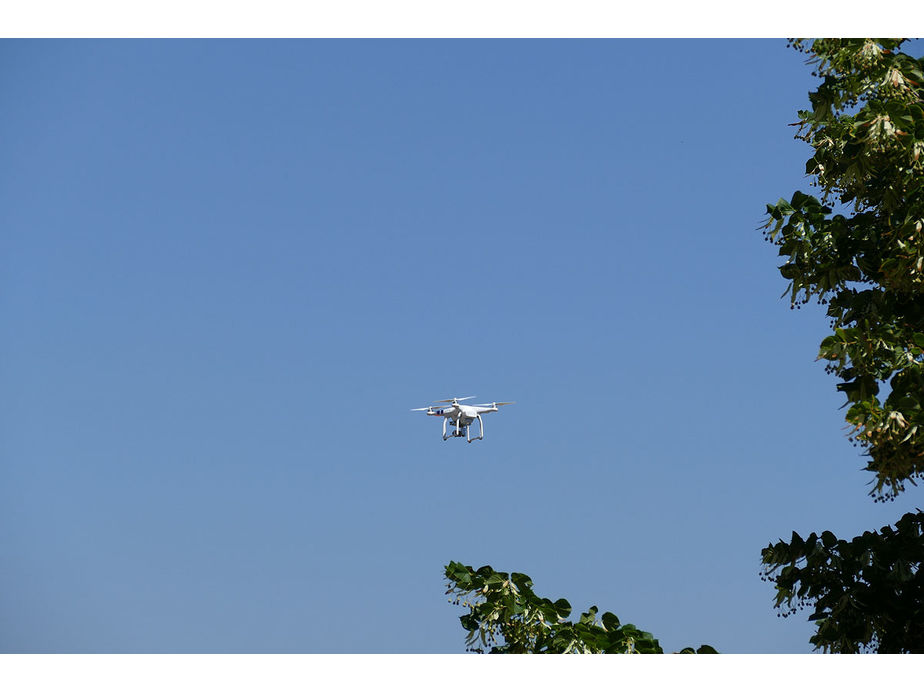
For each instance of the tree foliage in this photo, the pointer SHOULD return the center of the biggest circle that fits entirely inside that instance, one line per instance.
(505, 616)
(858, 248)
(868, 593)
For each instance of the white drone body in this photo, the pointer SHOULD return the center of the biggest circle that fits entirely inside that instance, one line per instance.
(462, 416)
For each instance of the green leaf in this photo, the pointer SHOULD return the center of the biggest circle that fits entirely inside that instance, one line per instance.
(562, 608)
(589, 616)
(523, 582)
(609, 621)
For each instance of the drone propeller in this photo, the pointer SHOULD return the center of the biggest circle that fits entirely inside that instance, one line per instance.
(494, 404)
(456, 399)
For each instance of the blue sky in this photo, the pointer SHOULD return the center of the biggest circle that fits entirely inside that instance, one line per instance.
(228, 269)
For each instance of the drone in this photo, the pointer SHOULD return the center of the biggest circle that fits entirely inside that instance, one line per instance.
(462, 416)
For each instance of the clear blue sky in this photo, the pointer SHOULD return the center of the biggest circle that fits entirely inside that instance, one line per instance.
(229, 269)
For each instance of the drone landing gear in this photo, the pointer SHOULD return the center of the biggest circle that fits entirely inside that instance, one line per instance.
(464, 431)
(458, 430)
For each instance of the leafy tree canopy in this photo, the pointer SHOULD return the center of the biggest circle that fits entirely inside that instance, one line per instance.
(505, 616)
(859, 249)
(868, 593)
